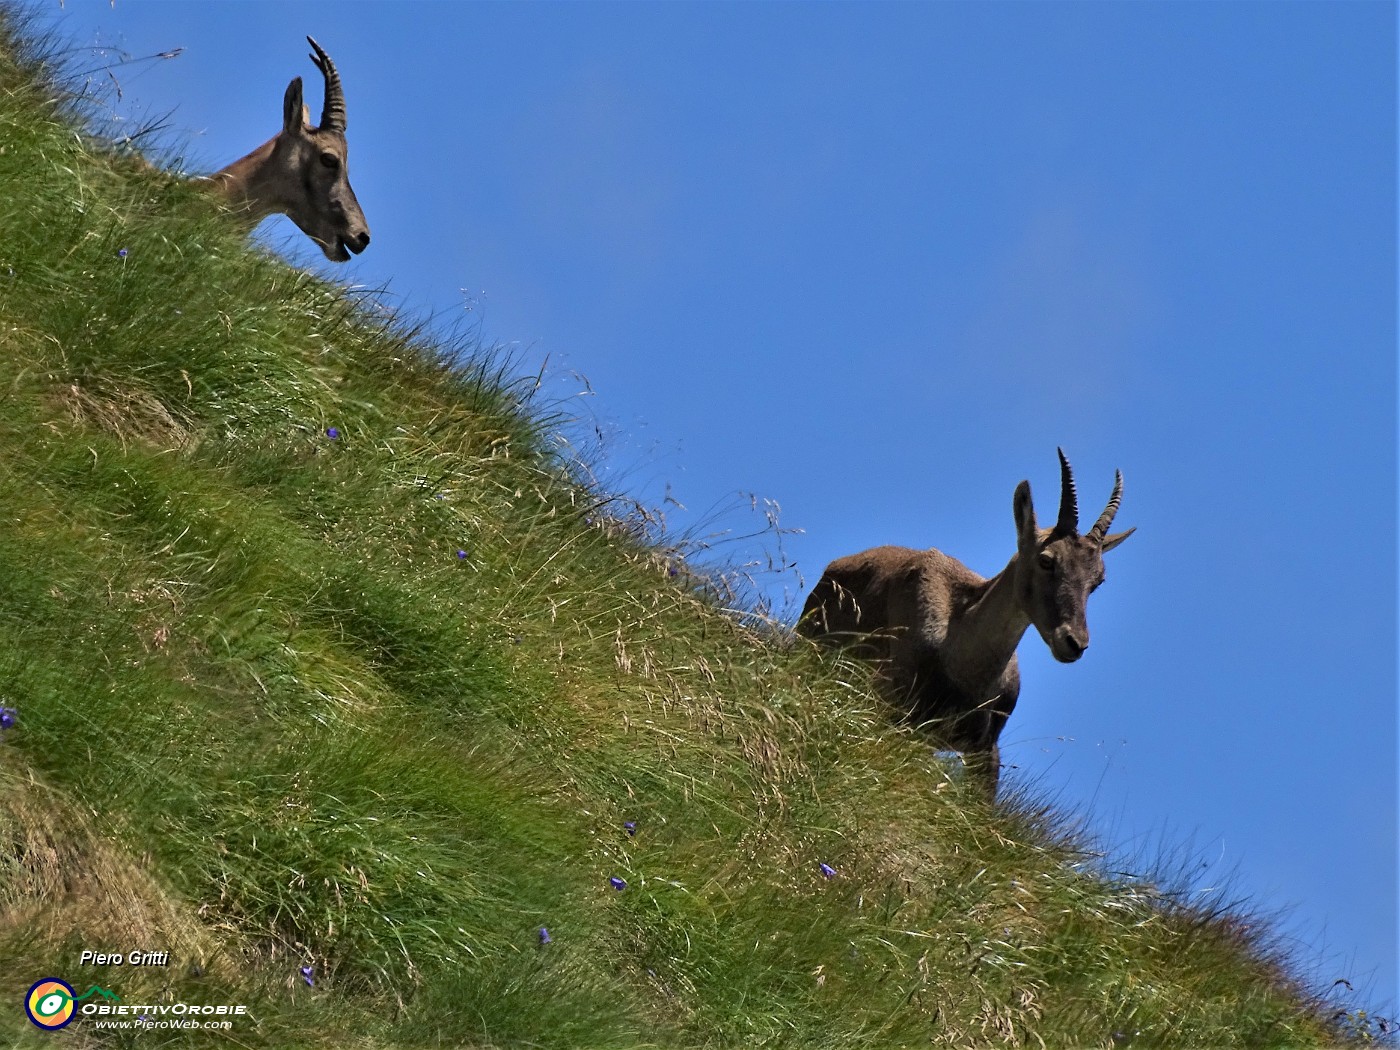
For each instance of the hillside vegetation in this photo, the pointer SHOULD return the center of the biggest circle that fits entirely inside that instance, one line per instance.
(331, 679)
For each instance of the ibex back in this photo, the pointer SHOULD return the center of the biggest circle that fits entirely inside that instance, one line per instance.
(302, 172)
(944, 638)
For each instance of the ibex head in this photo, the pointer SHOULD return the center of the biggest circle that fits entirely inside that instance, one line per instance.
(1058, 568)
(302, 172)
(319, 196)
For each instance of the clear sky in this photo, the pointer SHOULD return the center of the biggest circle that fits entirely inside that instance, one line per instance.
(874, 263)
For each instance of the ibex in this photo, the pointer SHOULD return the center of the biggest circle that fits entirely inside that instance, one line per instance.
(944, 638)
(301, 172)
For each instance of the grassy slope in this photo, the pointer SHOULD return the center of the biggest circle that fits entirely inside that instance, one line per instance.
(270, 718)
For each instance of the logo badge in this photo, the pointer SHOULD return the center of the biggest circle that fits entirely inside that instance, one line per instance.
(49, 1003)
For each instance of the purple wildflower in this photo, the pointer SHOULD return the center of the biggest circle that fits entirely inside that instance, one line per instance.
(121, 253)
(332, 432)
(461, 554)
(828, 871)
(8, 715)
(544, 936)
(618, 884)
(306, 974)
(630, 826)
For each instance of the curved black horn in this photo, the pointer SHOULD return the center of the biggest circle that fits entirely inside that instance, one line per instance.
(1100, 528)
(1069, 500)
(333, 112)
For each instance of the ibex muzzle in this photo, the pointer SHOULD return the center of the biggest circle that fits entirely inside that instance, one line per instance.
(944, 638)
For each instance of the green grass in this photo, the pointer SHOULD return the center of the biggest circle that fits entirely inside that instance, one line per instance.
(270, 719)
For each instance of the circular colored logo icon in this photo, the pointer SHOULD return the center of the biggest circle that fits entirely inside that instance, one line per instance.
(49, 1003)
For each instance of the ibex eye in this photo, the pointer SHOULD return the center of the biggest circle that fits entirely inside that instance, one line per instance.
(330, 160)
(1046, 561)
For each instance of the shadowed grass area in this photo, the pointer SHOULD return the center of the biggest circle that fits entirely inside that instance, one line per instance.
(335, 682)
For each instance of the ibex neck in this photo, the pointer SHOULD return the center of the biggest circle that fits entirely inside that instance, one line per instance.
(983, 639)
(248, 183)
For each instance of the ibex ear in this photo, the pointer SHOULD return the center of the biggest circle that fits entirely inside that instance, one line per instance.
(293, 112)
(1109, 542)
(1026, 531)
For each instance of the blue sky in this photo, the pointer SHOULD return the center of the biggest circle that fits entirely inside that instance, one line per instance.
(874, 263)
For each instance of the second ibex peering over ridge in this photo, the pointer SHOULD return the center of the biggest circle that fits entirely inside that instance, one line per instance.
(301, 172)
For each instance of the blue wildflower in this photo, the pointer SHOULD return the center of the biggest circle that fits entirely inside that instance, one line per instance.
(544, 936)
(121, 253)
(630, 826)
(618, 884)
(332, 432)
(828, 871)
(461, 554)
(306, 974)
(8, 715)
